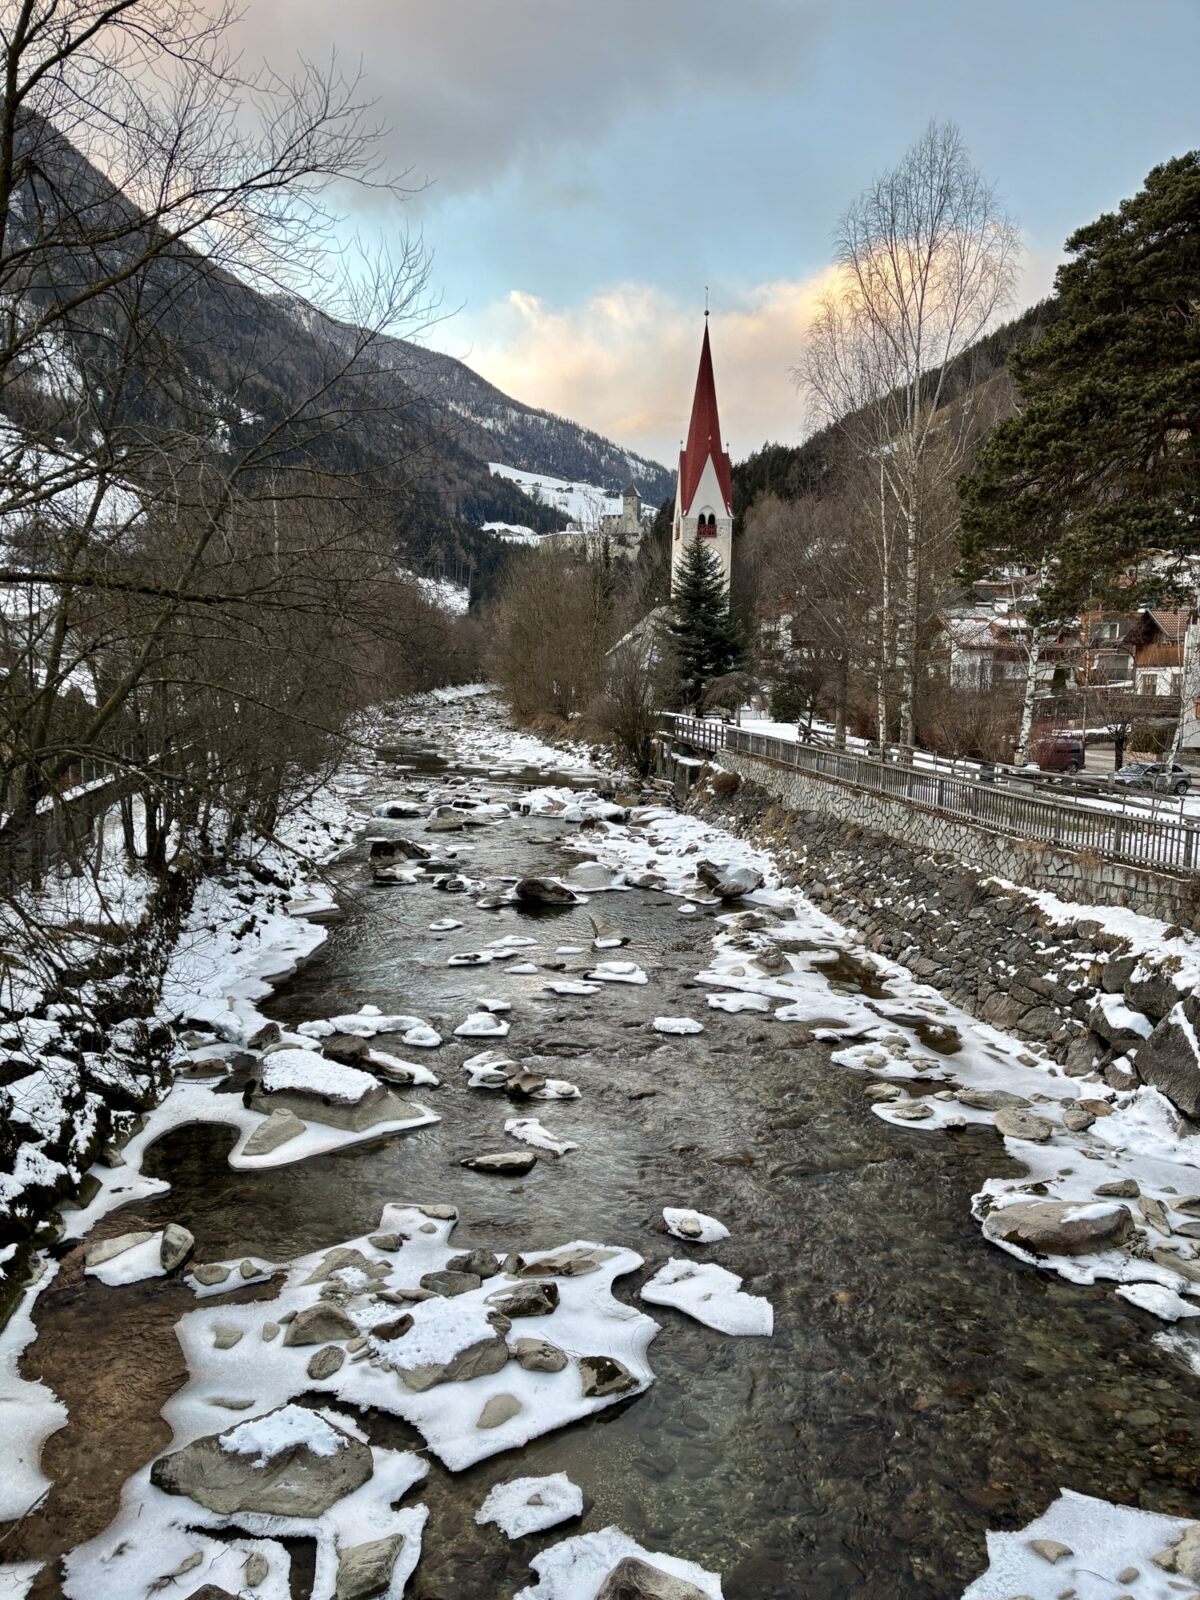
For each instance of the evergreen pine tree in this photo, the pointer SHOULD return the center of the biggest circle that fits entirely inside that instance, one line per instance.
(705, 638)
(1102, 461)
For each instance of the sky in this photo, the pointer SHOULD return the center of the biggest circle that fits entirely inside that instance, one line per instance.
(581, 170)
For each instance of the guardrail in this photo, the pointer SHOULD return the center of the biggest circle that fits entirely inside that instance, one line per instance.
(1163, 844)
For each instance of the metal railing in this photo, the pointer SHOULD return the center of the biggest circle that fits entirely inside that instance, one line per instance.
(1163, 844)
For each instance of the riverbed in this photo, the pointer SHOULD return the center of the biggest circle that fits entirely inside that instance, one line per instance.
(919, 1388)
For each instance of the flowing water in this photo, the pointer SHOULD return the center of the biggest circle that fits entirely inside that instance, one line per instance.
(920, 1386)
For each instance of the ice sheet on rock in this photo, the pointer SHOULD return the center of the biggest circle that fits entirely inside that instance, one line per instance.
(410, 1071)
(575, 1568)
(588, 1320)
(285, 1429)
(312, 1073)
(475, 958)
(521, 969)
(618, 972)
(29, 1411)
(530, 1131)
(734, 1002)
(572, 986)
(710, 1294)
(365, 1023)
(530, 1505)
(482, 1025)
(512, 941)
(704, 1230)
(556, 1089)
(1159, 1301)
(154, 1533)
(444, 925)
(135, 1265)
(1104, 1539)
(677, 1025)
(16, 1578)
(195, 1102)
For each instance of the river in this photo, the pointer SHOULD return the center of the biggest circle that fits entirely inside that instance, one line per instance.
(920, 1386)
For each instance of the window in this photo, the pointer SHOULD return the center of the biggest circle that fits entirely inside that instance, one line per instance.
(706, 523)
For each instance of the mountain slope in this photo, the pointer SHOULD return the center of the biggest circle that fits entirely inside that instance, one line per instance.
(224, 363)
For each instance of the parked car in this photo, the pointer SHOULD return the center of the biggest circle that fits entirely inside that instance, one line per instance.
(1059, 752)
(1160, 777)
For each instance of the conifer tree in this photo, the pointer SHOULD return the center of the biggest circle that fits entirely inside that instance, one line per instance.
(1102, 461)
(705, 638)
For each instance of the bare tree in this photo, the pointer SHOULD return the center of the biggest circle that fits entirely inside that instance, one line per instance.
(925, 259)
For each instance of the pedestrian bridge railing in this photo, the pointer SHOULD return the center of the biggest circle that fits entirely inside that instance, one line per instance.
(1162, 844)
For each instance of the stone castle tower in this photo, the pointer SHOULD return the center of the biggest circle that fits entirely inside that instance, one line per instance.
(704, 492)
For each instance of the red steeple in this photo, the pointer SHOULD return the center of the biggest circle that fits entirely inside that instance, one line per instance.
(704, 437)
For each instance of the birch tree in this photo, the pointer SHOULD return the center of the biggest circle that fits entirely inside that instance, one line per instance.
(925, 257)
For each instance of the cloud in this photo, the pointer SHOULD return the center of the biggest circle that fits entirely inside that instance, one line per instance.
(624, 360)
(472, 89)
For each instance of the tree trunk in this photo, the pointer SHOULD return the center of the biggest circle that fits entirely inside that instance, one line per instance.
(1021, 753)
(906, 632)
(839, 711)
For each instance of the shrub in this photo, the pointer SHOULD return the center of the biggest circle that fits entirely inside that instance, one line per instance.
(726, 783)
(788, 703)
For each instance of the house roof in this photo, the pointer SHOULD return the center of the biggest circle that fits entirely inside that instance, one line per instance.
(704, 438)
(1171, 624)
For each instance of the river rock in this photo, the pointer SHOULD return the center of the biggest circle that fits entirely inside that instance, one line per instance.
(226, 1335)
(270, 1033)
(1051, 1550)
(1059, 1227)
(509, 1164)
(604, 1375)
(396, 1328)
(294, 1482)
(635, 1579)
(177, 1245)
(1168, 1058)
(108, 1249)
(1182, 1555)
(1076, 1120)
(499, 1409)
(545, 892)
(524, 1085)
(573, 1262)
(450, 1283)
(477, 1360)
(210, 1273)
(1023, 1125)
(365, 1570)
(319, 1324)
(535, 1299)
(991, 1099)
(590, 876)
(256, 1570)
(280, 1127)
(728, 881)
(348, 1049)
(539, 1355)
(913, 1111)
(386, 1241)
(1119, 1189)
(481, 1262)
(323, 1363)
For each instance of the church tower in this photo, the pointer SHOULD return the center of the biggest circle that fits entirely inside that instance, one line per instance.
(704, 492)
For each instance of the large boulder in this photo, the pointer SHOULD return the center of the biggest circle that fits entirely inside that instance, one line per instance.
(1060, 1227)
(289, 1463)
(1170, 1057)
(635, 1579)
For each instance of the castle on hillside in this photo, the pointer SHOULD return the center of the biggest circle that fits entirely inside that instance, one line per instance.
(704, 489)
(626, 525)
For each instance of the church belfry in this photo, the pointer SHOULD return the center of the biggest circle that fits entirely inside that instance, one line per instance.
(704, 491)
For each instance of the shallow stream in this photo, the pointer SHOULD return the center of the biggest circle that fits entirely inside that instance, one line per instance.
(920, 1386)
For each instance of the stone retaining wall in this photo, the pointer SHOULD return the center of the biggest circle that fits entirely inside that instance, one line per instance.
(1081, 993)
(1072, 875)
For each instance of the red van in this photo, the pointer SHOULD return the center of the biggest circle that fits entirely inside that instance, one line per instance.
(1059, 752)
